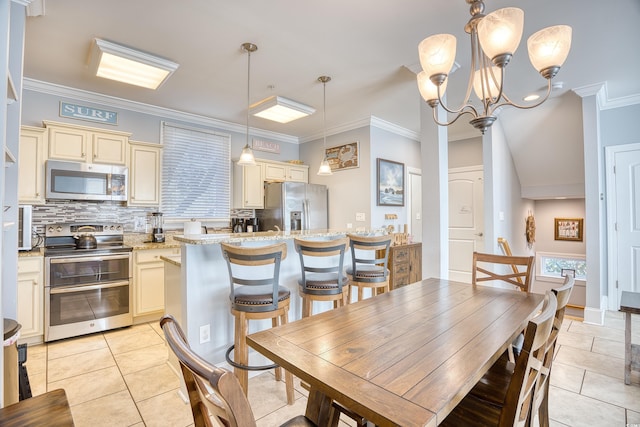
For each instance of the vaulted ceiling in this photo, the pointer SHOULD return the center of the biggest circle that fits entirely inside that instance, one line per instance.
(366, 47)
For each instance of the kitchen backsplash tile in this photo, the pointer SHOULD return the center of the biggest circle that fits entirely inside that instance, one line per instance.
(133, 218)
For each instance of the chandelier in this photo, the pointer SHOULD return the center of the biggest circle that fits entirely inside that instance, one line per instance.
(494, 39)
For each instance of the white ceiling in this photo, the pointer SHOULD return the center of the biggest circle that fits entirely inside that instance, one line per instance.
(363, 45)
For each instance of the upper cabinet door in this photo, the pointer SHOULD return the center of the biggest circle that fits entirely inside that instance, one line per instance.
(275, 172)
(31, 165)
(144, 174)
(68, 144)
(109, 148)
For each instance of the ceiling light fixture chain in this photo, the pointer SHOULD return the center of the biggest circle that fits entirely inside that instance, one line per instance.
(325, 167)
(246, 157)
(494, 39)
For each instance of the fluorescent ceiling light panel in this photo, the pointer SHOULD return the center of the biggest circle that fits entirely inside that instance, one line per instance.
(279, 109)
(116, 62)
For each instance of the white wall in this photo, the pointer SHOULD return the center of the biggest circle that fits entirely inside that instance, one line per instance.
(347, 188)
(388, 146)
(505, 209)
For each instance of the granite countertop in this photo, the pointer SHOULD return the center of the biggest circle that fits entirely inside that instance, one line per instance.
(32, 253)
(209, 239)
(142, 241)
(175, 260)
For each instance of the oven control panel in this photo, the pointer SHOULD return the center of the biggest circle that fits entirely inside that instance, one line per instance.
(61, 230)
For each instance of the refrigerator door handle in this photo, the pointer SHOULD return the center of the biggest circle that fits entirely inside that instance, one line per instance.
(306, 219)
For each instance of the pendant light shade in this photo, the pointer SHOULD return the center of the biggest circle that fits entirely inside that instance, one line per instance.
(325, 167)
(247, 158)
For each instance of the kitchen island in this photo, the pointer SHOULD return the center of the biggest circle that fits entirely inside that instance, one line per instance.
(197, 286)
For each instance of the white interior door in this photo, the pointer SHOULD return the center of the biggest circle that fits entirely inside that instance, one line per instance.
(466, 220)
(623, 177)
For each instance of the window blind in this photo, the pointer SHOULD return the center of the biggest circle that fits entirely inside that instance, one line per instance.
(196, 173)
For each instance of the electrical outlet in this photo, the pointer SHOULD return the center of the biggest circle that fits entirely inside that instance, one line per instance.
(349, 225)
(205, 333)
(361, 216)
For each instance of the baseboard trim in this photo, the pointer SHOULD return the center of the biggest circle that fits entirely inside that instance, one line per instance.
(594, 316)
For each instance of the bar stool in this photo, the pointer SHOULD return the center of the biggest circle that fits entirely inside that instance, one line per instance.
(255, 295)
(369, 259)
(320, 282)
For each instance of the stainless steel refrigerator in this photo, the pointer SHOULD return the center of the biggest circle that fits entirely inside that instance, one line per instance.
(294, 206)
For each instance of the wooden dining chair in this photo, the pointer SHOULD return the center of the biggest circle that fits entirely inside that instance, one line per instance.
(494, 384)
(521, 269)
(514, 406)
(255, 294)
(213, 392)
(322, 272)
(369, 261)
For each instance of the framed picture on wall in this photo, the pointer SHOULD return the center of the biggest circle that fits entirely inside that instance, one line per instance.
(390, 183)
(568, 229)
(346, 156)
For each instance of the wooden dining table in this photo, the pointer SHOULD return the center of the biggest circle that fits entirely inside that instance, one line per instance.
(402, 358)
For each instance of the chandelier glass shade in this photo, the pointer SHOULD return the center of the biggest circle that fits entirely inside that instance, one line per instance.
(494, 40)
(246, 157)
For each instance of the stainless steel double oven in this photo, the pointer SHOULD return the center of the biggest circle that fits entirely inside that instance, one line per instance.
(87, 287)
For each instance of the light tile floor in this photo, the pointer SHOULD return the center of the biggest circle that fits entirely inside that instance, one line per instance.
(120, 378)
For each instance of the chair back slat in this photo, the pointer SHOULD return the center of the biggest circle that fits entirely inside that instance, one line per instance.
(212, 390)
(530, 362)
(541, 391)
(520, 277)
(310, 252)
(238, 258)
(369, 251)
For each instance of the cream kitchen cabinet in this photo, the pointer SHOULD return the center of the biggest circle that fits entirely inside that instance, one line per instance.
(31, 297)
(31, 165)
(248, 186)
(85, 144)
(148, 281)
(144, 163)
(278, 171)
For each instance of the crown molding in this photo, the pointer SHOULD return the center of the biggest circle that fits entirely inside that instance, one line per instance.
(138, 107)
(604, 102)
(371, 121)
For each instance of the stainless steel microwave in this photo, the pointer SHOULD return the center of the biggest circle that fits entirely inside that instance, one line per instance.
(85, 181)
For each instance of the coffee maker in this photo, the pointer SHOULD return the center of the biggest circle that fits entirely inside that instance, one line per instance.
(237, 225)
(157, 224)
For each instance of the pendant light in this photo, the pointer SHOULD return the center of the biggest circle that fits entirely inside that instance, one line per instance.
(325, 167)
(247, 158)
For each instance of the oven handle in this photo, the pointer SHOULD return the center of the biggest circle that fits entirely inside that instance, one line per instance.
(72, 289)
(66, 260)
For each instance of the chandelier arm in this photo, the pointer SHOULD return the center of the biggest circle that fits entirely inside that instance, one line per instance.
(461, 110)
(459, 114)
(527, 107)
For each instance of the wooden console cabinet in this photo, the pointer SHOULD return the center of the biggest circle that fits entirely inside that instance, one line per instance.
(405, 264)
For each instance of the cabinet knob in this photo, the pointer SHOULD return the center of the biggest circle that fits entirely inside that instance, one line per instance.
(37, 194)
(34, 282)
